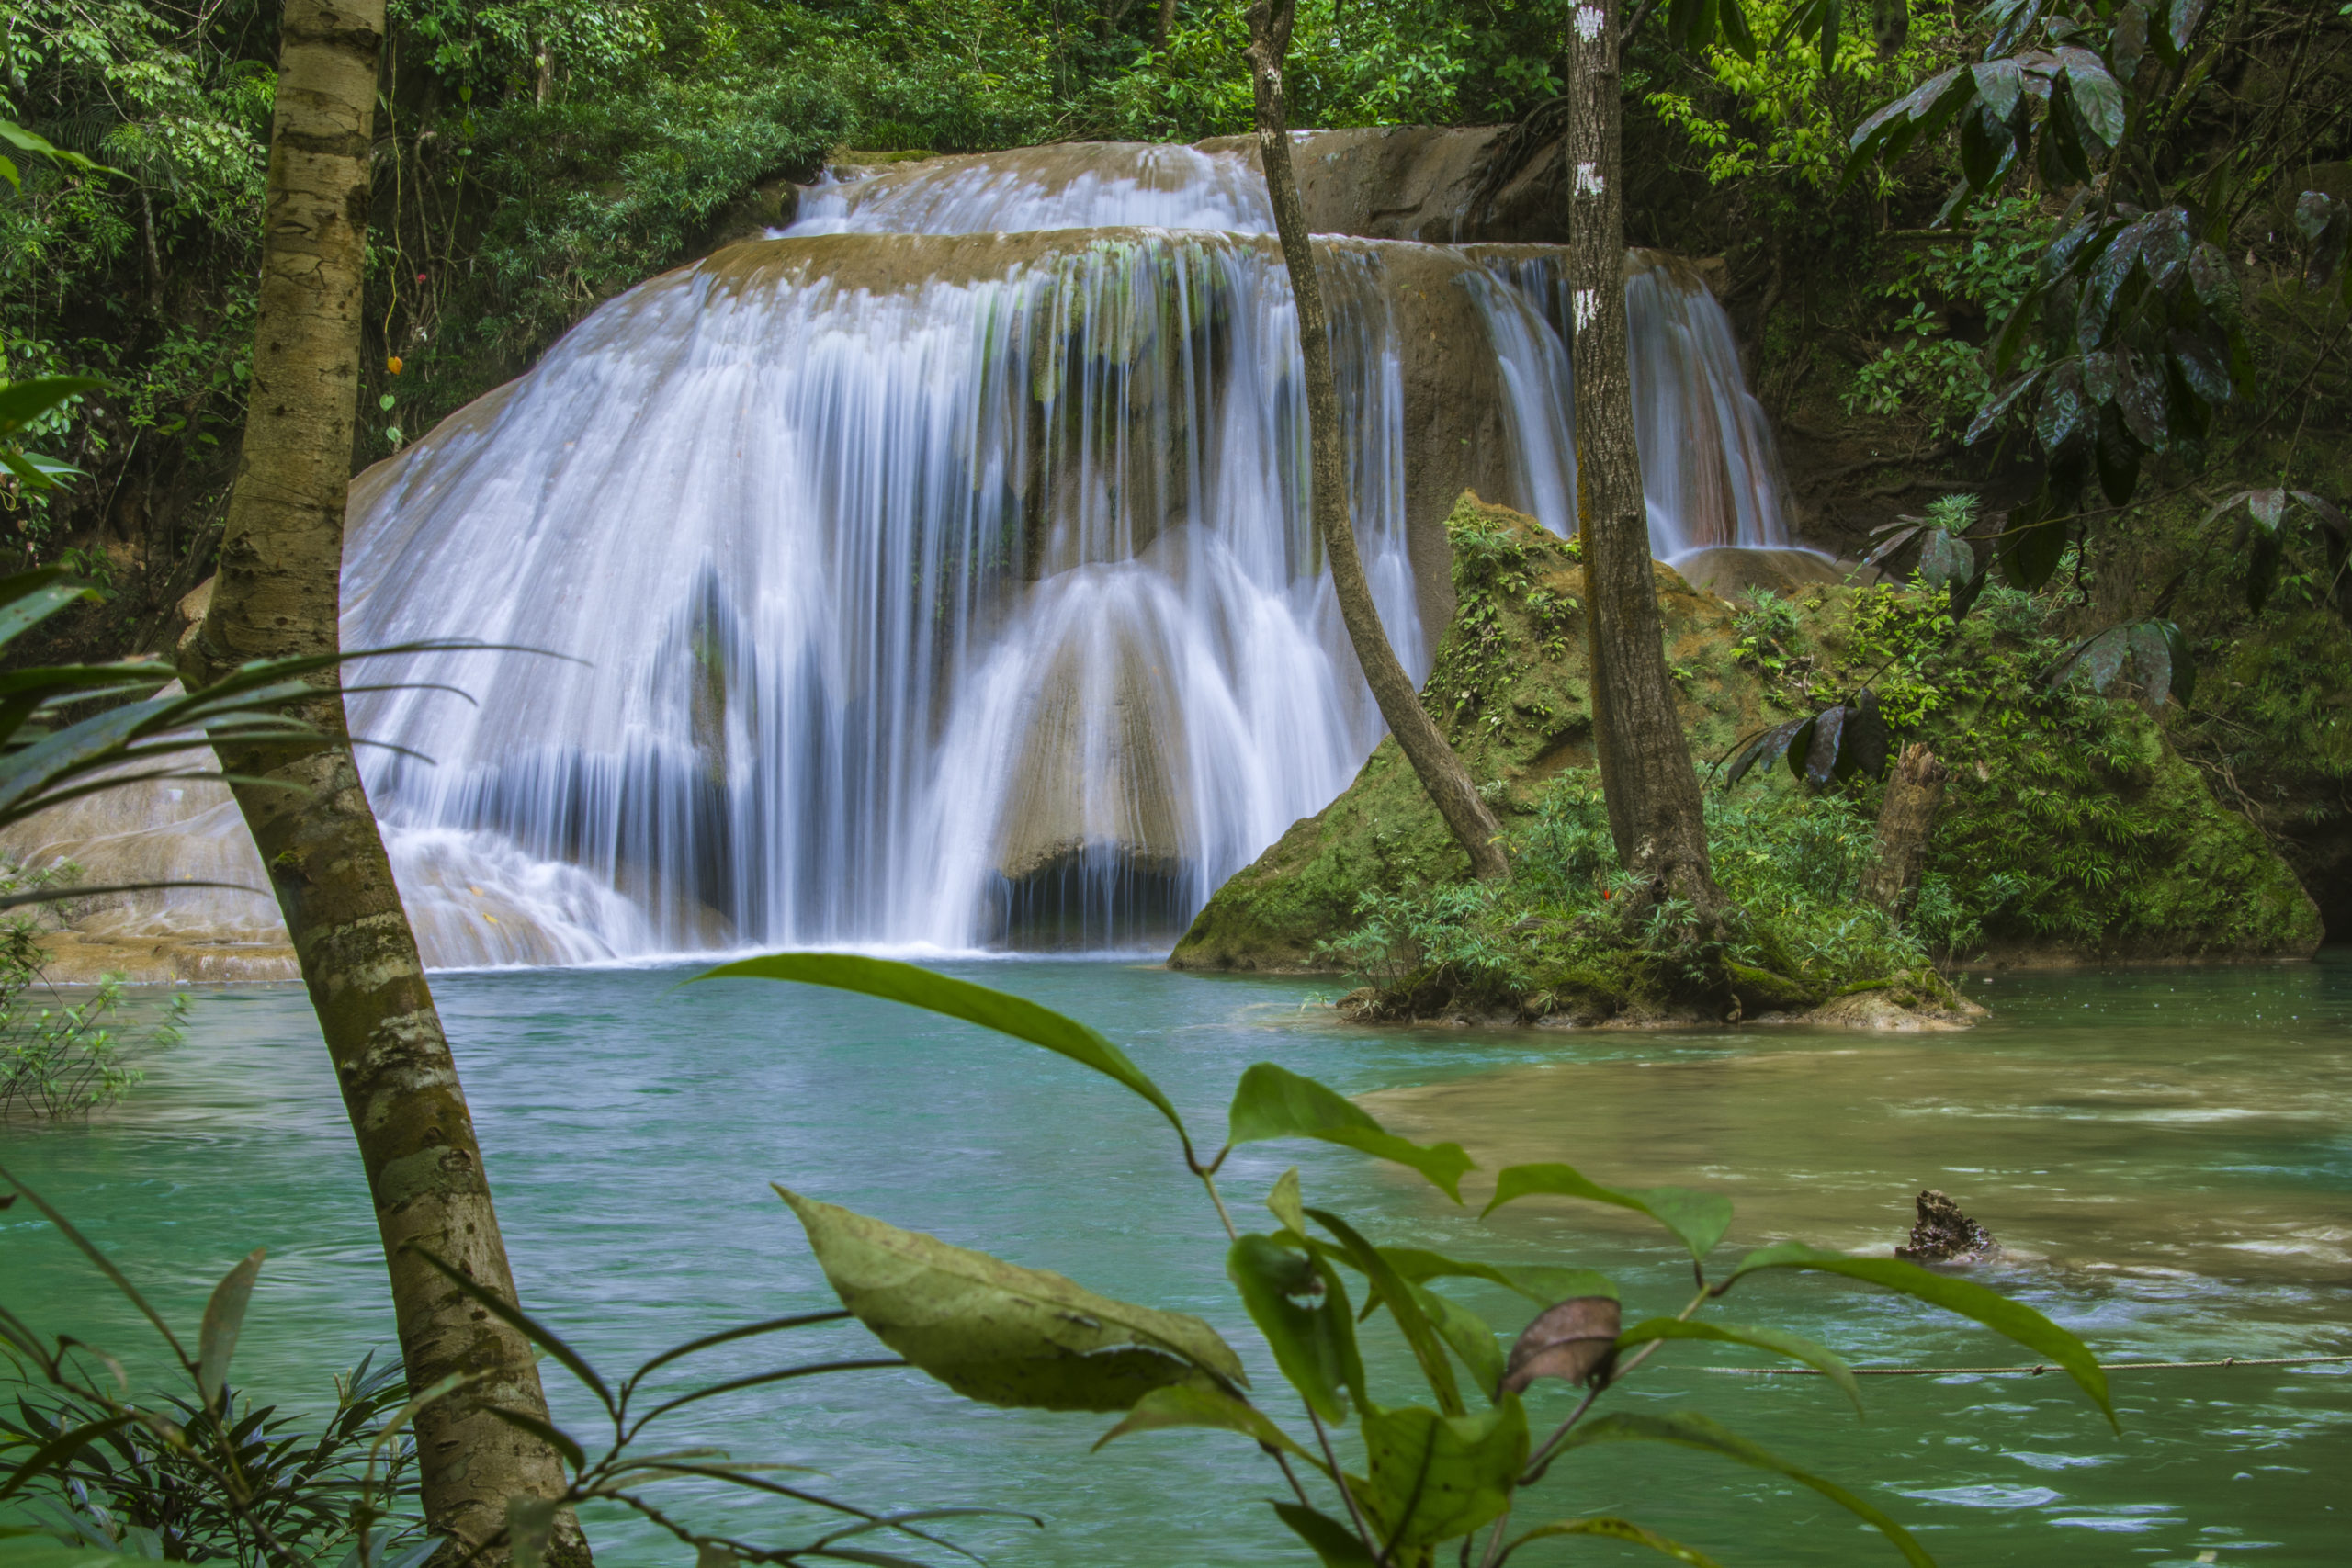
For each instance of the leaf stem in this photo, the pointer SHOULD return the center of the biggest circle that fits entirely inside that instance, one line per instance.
(1340, 1480)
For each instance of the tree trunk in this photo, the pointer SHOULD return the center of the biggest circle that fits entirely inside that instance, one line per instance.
(277, 595)
(1167, 20)
(1905, 819)
(1654, 812)
(1442, 772)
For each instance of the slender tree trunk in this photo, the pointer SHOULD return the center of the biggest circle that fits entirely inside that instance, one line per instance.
(1167, 20)
(278, 595)
(1442, 772)
(1654, 811)
(1905, 820)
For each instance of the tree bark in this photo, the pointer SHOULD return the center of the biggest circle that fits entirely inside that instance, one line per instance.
(1905, 820)
(1441, 772)
(1656, 814)
(277, 595)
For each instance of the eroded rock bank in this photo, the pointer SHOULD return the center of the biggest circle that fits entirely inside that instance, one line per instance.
(2072, 830)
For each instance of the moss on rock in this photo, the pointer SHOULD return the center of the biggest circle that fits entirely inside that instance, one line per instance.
(2074, 829)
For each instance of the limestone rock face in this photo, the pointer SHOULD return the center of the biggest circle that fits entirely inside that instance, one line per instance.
(1417, 182)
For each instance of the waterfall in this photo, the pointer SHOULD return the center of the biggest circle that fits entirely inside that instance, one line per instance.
(936, 574)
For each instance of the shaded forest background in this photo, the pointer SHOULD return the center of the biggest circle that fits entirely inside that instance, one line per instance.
(533, 159)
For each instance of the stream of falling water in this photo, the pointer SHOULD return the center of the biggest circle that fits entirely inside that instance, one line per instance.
(936, 574)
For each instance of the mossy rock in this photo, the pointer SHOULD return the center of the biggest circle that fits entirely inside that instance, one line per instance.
(2142, 862)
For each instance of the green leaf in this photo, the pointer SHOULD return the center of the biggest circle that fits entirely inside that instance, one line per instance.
(547, 1432)
(1007, 1014)
(1540, 1283)
(1271, 1102)
(58, 1450)
(21, 402)
(1467, 1335)
(1002, 1334)
(514, 1317)
(1301, 1306)
(224, 1316)
(1285, 1204)
(30, 597)
(1435, 1477)
(1697, 1219)
(1197, 1404)
(1428, 1349)
(529, 1522)
(1616, 1529)
(1995, 1311)
(1696, 1431)
(1795, 1346)
(1333, 1543)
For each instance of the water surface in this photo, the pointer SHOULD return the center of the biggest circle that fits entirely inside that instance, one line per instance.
(2164, 1152)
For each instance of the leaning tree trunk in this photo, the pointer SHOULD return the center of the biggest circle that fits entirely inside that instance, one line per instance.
(1905, 820)
(1442, 772)
(1654, 812)
(277, 595)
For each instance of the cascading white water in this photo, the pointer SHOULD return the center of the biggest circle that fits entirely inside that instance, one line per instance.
(930, 574)
(1711, 474)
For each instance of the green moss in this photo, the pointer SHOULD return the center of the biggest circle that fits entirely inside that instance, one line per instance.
(2073, 825)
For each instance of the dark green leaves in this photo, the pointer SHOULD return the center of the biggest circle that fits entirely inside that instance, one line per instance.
(2264, 523)
(1539, 1283)
(1199, 1405)
(1841, 743)
(1696, 1431)
(2325, 225)
(1300, 1305)
(2155, 650)
(1697, 1219)
(1435, 1477)
(1273, 1102)
(1995, 1311)
(1005, 1013)
(1002, 1334)
(1333, 1543)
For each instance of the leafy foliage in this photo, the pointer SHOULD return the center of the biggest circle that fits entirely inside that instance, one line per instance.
(1443, 1471)
(64, 1060)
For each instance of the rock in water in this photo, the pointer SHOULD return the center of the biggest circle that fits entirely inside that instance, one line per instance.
(1944, 1235)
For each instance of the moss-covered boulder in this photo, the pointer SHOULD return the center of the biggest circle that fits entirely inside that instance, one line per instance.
(2073, 829)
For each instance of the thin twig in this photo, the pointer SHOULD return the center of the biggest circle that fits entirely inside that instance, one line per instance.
(2026, 1371)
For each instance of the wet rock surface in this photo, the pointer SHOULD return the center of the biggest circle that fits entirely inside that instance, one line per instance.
(1943, 1234)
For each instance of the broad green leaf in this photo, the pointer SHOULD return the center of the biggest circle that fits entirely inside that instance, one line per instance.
(21, 402)
(1697, 1219)
(1616, 1529)
(31, 597)
(1285, 1204)
(224, 1316)
(1005, 1013)
(1271, 1102)
(1435, 1477)
(1696, 1431)
(1992, 1309)
(1333, 1543)
(1002, 1334)
(1467, 1335)
(529, 1522)
(1301, 1307)
(1540, 1283)
(1197, 1404)
(1796, 1347)
(1422, 1335)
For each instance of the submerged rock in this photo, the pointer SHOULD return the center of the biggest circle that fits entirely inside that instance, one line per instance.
(1944, 1235)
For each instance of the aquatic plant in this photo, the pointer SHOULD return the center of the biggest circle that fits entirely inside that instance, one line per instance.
(1452, 1469)
(205, 1475)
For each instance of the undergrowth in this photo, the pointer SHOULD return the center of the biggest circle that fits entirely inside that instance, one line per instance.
(1552, 941)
